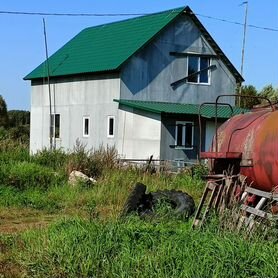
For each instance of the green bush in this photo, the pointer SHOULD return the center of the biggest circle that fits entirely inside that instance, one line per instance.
(55, 159)
(23, 175)
(199, 170)
(11, 151)
(20, 133)
(92, 162)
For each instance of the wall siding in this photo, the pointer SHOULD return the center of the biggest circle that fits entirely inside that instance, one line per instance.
(148, 74)
(139, 134)
(73, 99)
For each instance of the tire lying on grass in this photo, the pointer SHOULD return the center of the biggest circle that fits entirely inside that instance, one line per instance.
(135, 199)
(181, 202)
(142, 203)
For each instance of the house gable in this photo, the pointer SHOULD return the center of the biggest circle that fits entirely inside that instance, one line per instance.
(149, 74)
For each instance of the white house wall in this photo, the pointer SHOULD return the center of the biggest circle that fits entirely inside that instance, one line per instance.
(73, 99)
(148, 74)
(139, 134)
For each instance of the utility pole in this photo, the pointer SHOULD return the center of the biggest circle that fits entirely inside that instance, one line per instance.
(49, 89)
(243, 47)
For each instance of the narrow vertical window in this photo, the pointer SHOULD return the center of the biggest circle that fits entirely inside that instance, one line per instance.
(111, 126)
(55, 126)
(86, 126)
(184, 135)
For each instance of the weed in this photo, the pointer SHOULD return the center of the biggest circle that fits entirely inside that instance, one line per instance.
(136, 248)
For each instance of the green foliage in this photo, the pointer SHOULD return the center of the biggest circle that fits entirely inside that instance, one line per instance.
(4, 120)
(24, 175)
(270, 93)
(11, 151)
(18, 118)
(92, 162)
(248, 102)
(55, 159)
(35, 198)
(136, 248)
(20, 133)
(199, 170)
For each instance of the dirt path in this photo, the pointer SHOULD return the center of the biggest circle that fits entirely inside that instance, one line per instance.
(15, 220)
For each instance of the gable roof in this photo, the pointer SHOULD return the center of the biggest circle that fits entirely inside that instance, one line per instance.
(107, 47)
(208, 111)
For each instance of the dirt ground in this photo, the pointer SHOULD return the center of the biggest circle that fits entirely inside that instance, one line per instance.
(15, 220)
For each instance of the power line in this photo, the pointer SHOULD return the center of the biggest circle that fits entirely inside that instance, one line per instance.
(129, 14)
(238, 23)
(71, 14)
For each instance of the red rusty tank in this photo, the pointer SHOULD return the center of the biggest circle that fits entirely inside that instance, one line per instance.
(249, 143)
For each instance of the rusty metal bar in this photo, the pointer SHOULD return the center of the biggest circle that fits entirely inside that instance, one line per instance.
(235, 96)
(199, 115)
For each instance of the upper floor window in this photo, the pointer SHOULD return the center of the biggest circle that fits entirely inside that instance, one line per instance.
(184, 135)
(198, 70)
(86, 126)
(55, 126)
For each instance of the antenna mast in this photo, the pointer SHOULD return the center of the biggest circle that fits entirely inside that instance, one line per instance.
(49, 88)
(243, 46)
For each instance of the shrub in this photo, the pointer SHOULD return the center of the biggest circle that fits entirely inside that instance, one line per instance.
(11, 151)
(55, 159)
(23, 175)
(92, 162)
(199, 170)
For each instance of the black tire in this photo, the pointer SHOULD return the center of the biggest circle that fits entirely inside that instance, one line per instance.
(135, 199)
(182, 203)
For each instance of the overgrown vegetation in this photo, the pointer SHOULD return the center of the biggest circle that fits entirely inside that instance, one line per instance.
(14, 124)
(268, 92)
(79, 232)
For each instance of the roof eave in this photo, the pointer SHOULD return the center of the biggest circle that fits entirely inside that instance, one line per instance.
(153, 37)
(217, 49)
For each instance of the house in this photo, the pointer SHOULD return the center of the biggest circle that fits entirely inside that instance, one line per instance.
(136, 84)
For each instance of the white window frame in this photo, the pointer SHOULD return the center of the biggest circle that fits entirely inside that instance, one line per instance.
(183, 135)
(108, 126)
(83, 126)
(198, 75)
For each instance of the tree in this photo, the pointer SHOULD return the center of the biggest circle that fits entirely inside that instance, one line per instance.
(18, 118)
(4, 120)
(245, 102)
(270, 93)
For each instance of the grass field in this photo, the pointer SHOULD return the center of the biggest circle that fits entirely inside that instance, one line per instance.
(49, 228)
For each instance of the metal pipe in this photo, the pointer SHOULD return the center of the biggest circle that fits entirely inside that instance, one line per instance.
(199, 115)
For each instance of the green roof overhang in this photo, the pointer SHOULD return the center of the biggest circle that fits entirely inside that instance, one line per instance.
(208, 111)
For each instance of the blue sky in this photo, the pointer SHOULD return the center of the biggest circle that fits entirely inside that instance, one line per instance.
(22, 41)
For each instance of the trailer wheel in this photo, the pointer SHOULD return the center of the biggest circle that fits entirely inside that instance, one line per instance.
(182, 203)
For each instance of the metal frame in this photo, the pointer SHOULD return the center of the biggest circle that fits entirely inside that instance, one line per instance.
(216, 103)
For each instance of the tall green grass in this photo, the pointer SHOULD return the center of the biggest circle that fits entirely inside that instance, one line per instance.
(136, 248)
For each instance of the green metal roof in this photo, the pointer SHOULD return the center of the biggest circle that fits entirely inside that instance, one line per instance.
(207, 111)
(104, 47)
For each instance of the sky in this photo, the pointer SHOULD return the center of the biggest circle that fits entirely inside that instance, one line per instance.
(22, 40)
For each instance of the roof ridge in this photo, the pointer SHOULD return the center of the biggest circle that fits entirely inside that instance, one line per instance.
(137, 17)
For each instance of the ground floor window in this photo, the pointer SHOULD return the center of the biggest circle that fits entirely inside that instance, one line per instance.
(86, 126)
(110, 126)
(55, 126)
(184, 135)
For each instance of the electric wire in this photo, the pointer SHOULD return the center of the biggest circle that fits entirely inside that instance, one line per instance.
(129, 14)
